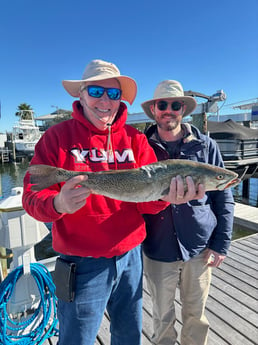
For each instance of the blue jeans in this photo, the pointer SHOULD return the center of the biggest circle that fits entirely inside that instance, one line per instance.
(114, 284)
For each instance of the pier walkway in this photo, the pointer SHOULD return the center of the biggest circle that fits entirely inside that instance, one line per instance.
(232, 306)
(246, 216)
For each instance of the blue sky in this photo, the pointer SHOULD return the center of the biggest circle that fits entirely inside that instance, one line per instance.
(206, 45)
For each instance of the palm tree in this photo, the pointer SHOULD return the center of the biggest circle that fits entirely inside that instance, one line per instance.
(25, 111)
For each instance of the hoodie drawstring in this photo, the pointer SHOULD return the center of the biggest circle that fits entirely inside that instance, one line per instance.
(109, 142)
(110, 146)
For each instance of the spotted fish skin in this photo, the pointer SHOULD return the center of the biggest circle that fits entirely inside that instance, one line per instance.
(148, 183)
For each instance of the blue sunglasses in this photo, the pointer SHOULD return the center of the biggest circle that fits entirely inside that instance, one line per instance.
(98, 91)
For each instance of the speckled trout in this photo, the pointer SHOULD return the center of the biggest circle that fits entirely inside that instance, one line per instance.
(148, 183)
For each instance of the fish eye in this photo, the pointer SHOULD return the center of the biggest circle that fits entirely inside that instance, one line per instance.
(220, 177)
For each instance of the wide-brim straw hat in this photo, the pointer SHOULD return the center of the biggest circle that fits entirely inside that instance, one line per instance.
(172, 90)
(103, 70)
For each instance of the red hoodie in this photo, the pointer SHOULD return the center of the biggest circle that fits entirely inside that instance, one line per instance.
(103, 227)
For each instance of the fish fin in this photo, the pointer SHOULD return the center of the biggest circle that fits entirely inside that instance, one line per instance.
(44, 176)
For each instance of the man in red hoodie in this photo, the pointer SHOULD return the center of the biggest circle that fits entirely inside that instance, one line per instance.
(101, 236)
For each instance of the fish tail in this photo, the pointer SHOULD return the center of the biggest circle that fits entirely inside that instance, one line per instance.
(44, 176)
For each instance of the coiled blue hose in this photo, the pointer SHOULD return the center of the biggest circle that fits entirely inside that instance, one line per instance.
(42, 323)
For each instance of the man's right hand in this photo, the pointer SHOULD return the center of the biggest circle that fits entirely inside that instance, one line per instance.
(72, 196)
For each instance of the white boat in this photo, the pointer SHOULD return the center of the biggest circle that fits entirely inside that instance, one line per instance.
(25, 136)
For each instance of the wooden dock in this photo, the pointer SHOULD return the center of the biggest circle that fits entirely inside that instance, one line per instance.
(246, 216)
(232, 306)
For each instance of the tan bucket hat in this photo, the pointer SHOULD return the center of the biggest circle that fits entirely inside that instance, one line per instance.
(173, 90)
(102, 70)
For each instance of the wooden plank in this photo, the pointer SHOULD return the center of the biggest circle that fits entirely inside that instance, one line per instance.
(248, 270)
(252, 245)
(248, 243)
(246, 216)
(228, 278)
(234, 255)
(235, 293)
(242, 277)
(243, 254)
(245, 251)
(224, 330)
(252, 238)
(231, 306)
(248, 316)
(244, 261)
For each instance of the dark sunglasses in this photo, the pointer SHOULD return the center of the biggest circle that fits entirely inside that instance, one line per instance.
(162, 105)
(98, 91)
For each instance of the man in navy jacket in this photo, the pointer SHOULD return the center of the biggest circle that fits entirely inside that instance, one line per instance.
(183, 241)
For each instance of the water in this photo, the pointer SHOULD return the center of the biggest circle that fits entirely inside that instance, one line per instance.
(11, 176)
(253, 193)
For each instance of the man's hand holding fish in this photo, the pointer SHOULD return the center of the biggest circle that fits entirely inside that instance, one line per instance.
(72, 196)
(177, 194)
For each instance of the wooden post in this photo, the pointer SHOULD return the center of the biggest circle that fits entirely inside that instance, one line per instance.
(14, 151)
(3, 259)
(246, 189)
(200, 121)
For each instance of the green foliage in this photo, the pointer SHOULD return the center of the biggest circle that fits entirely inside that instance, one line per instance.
(25, 111)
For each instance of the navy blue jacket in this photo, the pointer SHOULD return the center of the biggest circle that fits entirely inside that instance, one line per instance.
(181, 232)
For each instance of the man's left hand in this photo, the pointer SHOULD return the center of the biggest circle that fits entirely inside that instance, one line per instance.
(213, 258)
(177, 194)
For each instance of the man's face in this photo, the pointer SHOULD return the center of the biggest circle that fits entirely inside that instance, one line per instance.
(100, 111)
(167, 116)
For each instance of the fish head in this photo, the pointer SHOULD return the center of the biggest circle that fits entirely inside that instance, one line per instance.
(211, 176)
(221, 179)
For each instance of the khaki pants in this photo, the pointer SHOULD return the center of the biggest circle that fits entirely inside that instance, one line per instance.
(194, 278)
